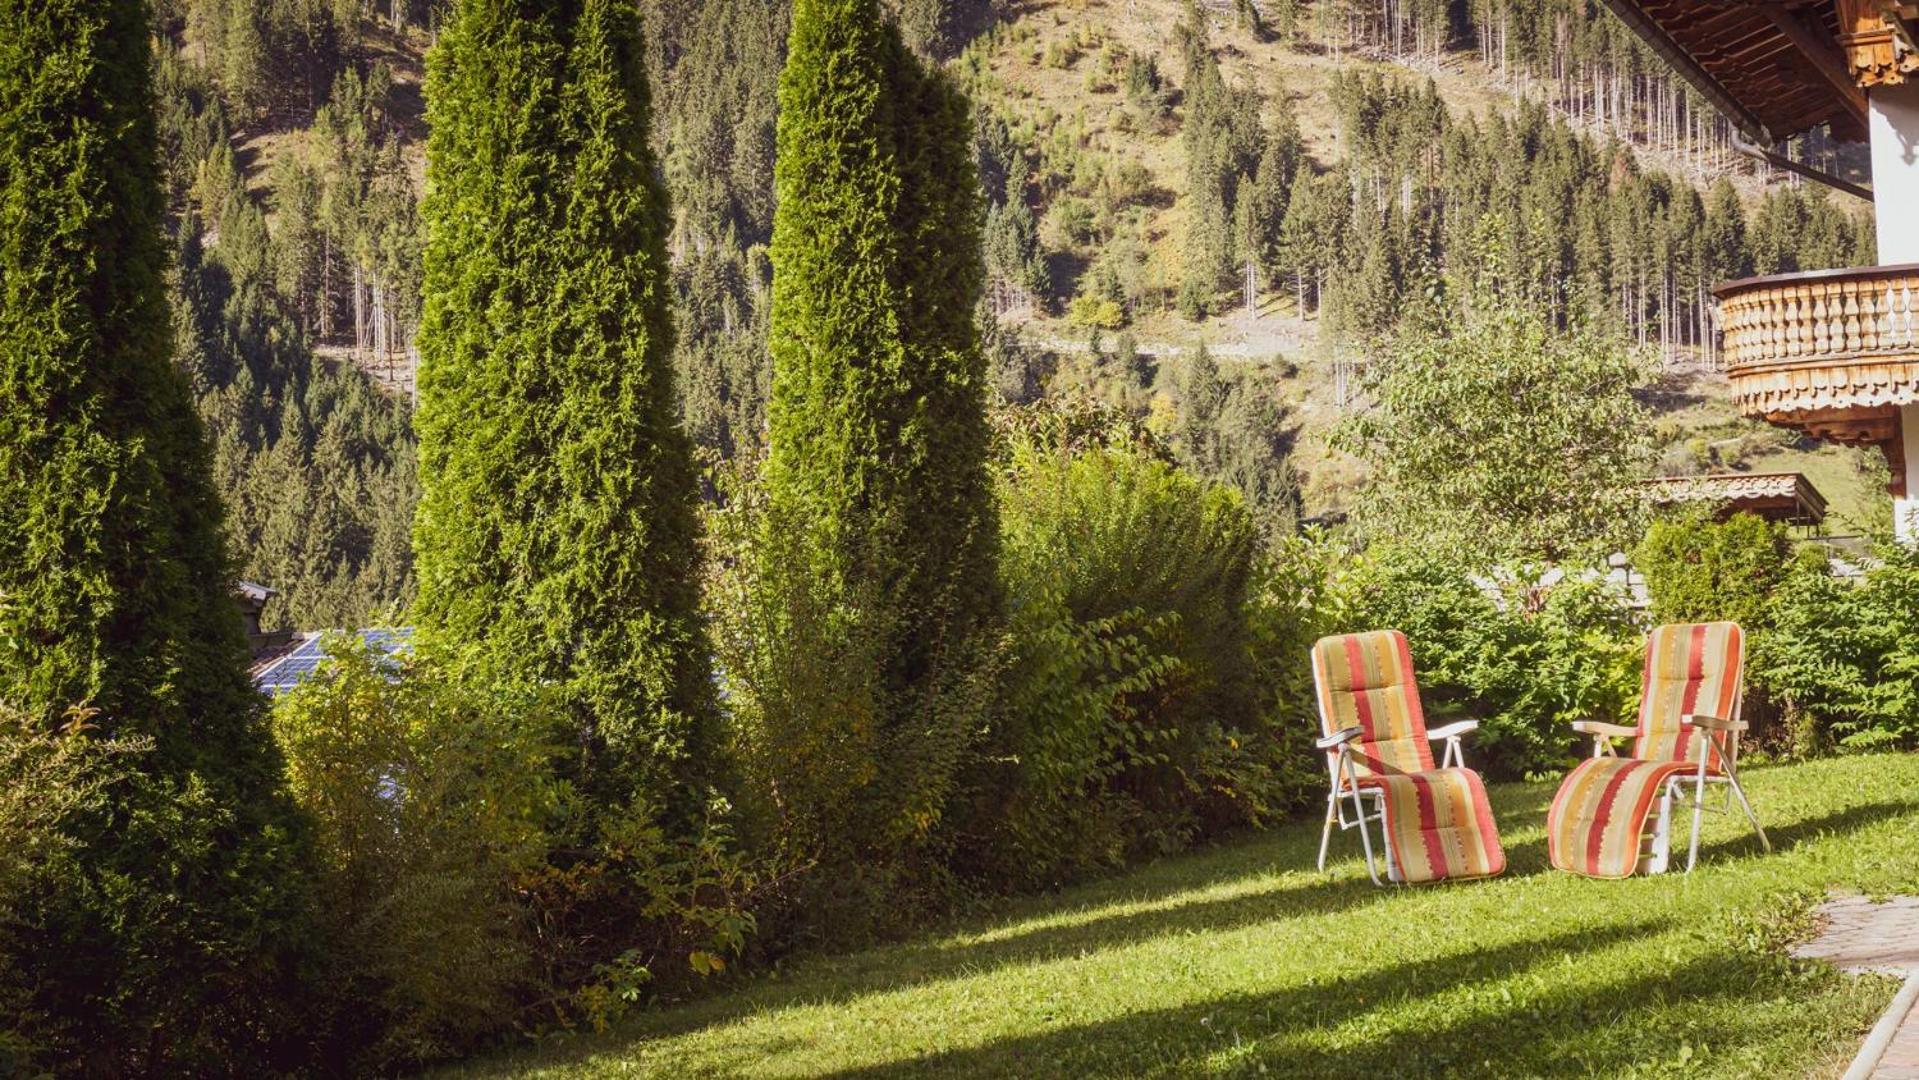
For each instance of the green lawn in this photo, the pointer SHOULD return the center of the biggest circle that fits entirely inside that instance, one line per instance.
(1243, 960)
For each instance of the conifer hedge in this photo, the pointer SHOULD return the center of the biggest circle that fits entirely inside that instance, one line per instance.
(878, 418)
(160, 931)
(557, 535)
(879, 436)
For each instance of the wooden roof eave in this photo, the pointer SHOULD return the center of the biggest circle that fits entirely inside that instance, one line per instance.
(1689, 69)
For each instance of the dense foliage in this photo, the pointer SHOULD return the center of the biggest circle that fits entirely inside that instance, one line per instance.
(1128, 721)
(877, 461)
(113, 594)
(557, 534)
(429, 803)
(1841, 658)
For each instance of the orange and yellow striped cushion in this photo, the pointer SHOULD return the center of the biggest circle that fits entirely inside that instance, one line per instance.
(1366, 681)
(1690, 668)
(1598, 818)
(1439, 825)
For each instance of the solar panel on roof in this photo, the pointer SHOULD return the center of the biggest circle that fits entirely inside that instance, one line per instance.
(299, 663)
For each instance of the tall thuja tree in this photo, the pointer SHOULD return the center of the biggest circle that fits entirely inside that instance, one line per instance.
(879, 436)
(158, 932)
(557, 537)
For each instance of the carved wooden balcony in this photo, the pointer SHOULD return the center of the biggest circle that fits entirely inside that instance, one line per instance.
(1832, 353)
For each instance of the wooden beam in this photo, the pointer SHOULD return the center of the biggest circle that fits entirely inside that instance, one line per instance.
(1818, 47)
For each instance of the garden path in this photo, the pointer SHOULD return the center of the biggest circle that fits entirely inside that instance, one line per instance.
(1863, 936)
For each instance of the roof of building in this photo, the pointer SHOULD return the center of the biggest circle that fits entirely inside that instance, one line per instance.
(254, 591)
(283, 668)
(1776, 69)
(1784, 496)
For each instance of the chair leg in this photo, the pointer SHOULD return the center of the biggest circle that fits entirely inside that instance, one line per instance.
(1698, 811)
(1366, 840)
(1661, 858)
(1732, 781)
(1326, 834)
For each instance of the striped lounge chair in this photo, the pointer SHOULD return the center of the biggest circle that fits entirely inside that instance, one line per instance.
(1435, 821)
(1687, 737)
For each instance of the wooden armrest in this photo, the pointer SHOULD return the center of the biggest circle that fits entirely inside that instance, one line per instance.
(1600, 727)
(1339, 738)
(1452, 730)
(1712, 723)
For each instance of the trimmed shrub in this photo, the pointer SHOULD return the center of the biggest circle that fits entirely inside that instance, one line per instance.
(876, 481)
(169, 935)
(1841, 657)
(1701, 570)
(557, 532)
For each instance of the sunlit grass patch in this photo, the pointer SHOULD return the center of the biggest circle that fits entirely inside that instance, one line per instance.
(1243, 960)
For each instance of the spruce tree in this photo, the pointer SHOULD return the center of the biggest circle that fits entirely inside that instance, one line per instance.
(557, 534)
(160, 930)
(879, 436)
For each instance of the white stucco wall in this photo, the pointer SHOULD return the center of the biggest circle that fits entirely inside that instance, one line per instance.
(1894, 131)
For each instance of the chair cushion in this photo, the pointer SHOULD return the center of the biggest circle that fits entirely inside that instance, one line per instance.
(1690, 668)
(1439, 825)
(1598, 817)
(1366, 681)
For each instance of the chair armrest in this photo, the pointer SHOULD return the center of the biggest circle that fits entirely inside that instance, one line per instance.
(1712, 723)
(1452, 730)
(1339, 738)
(1600, 727)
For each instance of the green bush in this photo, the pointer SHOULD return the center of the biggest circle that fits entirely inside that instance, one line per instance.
(1524, 662)
(558, 524)
(429, 804)
(840, 795)
(1701, 570)
(1843, 656)
(51, 784)
(170, 937)
(878, 500)
(448, 916)
(1126, 716)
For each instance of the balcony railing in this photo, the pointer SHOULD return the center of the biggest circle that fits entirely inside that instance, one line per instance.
(1830, 352)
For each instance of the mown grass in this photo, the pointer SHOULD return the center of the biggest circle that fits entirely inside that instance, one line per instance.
(1244, 960)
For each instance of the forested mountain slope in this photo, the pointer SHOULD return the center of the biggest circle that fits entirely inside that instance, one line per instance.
(1274, 179)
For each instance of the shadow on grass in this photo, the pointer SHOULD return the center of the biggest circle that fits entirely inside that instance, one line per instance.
(1177, 1040)
(838, 980)
(1792, 834)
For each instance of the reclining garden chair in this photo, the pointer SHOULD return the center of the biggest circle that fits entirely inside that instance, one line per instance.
(1687, 737)
(1435, 822)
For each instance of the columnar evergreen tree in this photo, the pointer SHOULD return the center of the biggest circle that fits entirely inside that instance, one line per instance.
(158, 934)
(557, 535)
(879, 436)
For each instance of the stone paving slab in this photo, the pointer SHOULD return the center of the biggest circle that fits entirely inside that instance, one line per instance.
(1862, 936)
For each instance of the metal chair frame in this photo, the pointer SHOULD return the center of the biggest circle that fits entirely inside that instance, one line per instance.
(1343, 777)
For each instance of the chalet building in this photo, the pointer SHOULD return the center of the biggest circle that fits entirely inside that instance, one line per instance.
(1832, 353)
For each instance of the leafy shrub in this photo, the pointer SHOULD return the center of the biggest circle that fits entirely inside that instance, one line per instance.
(51, 785)
(429, 804)
(1842, 658)
(842, 781)
(459, 889)
(1700, 570)
(1525, 662)
(1125, 711)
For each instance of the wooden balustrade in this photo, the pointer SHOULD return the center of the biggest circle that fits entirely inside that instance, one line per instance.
(1833, 353)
